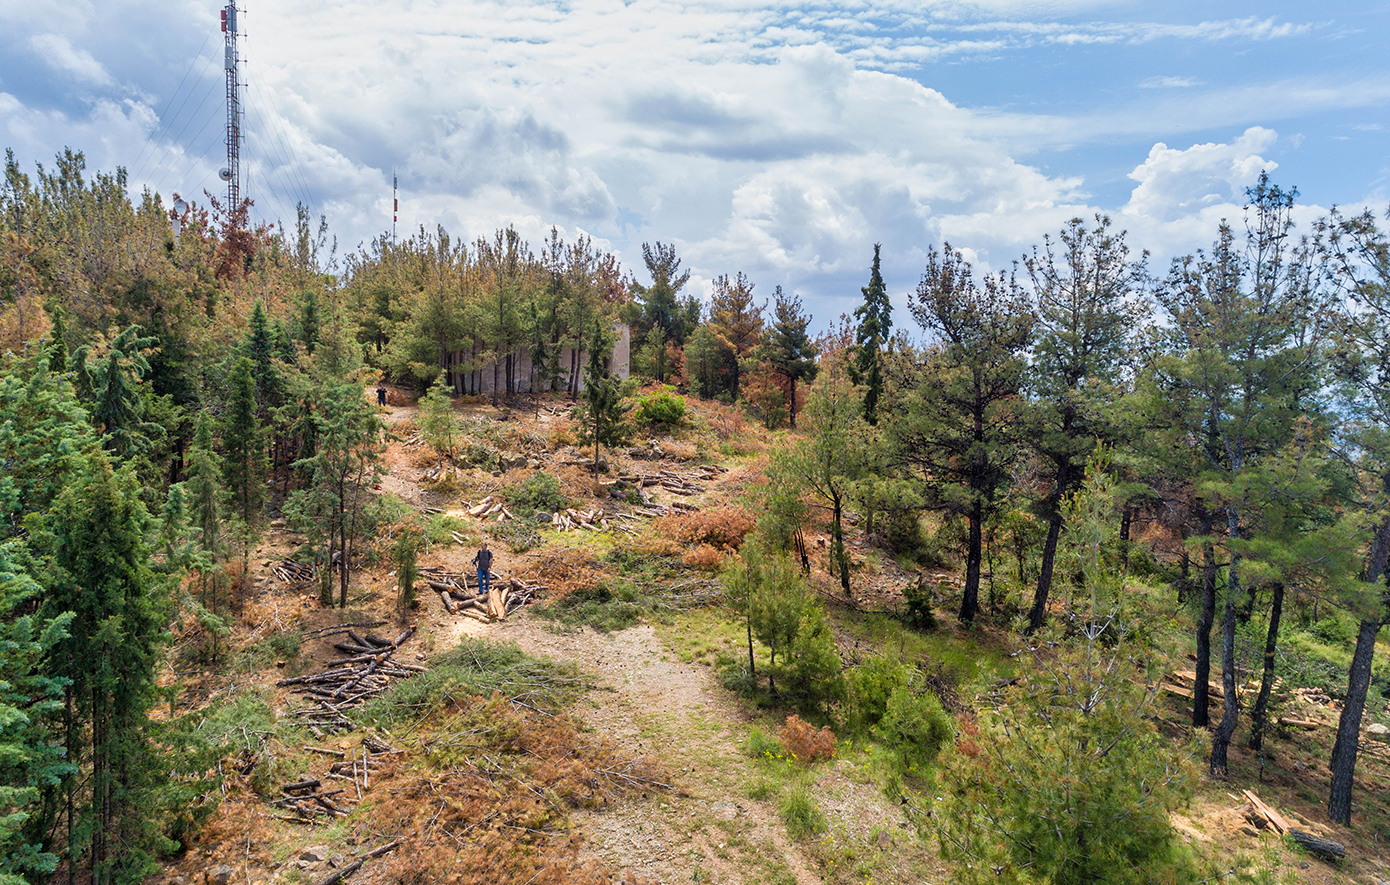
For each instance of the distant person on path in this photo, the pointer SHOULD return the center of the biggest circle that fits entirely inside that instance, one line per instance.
(381, 395)
(484, 562)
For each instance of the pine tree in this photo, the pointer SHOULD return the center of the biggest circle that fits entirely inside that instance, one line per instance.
(736, 324)
(30, 697)
(788, 348)
(244, 461)
(875, 317)
(661, 319)
(1238, 355)
(1360, 253)
(603, 421)
(828, 461)
(955, 432)
(1085, 320)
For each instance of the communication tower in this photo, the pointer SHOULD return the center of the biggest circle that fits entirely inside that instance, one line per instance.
(231, 173)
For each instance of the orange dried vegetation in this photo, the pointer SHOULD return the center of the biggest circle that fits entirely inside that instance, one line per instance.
(565, 570)
(492, 805)
(722, 527)
(805, 743)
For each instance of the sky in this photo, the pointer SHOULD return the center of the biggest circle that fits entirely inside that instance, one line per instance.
(780, 139)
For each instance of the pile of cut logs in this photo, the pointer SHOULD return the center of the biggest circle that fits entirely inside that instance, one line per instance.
(506, 596)
(294, 573)
(365, 670)
(668, 479)
(571, 519)
(489, 507)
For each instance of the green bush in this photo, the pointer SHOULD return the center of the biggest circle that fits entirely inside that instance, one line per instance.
(539, 491)
(761, 745)
(661, 410)
(915, 726)
(871, 684)
(1067, 782)
(918, 614)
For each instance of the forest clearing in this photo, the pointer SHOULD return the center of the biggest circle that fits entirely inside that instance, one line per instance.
(1085, 584)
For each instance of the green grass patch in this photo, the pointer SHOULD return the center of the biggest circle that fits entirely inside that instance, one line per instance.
(610, 606)
(475, 668)
(801, 814)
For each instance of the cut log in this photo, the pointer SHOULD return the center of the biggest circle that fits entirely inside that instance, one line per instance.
(449, 604)
(1300, 723)
(1326, 849)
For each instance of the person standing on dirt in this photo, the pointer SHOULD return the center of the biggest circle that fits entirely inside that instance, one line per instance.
(381, 395)
(484, 563)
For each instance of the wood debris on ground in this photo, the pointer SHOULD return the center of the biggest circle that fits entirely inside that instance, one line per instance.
(324, 797)
(295, 573)
(491, 507)
(1266, 818)
(506, 595)
(365, 670)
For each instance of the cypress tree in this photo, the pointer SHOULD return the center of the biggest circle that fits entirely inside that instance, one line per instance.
(244, 464)
(875, 318)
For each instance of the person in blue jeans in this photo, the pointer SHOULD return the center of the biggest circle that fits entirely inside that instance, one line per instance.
(483, 560)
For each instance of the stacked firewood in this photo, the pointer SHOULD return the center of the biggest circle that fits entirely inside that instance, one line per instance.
(365, 670)
(506, 596)
(491, 507)
(668, 480)
(295, 573)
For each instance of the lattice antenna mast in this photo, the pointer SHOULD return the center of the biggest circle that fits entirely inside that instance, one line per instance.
(395, 205)
(232, 172)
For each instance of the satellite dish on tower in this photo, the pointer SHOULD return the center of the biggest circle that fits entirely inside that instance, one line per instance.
(180, 206)
(224, 173)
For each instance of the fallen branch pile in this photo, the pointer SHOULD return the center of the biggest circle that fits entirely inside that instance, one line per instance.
(1266, 818)
(339, 875)
(309, 800)
(295, 573)
(366, 670)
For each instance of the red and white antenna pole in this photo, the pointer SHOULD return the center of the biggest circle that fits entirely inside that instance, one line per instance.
(395, 205)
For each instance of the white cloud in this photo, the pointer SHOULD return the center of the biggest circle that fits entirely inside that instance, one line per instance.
(1174, 183)
(1169, 83)
(61, 55)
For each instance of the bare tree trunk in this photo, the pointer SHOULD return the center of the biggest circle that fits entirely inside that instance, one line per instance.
(1201, 698)
(1230, 710)
(1343, 761)
(1261, 712)
(970, 599)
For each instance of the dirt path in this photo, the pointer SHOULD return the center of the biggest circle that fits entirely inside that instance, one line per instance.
(649, 703)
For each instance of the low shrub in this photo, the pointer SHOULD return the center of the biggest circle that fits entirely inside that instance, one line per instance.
(801, 815)
(705, 557)
(805, 743)
(915, 726)
(539, 491)
(659, 410)
(871, 684)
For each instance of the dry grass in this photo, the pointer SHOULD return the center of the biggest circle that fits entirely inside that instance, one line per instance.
(722, 527)
(491, 802)
(567, 569)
